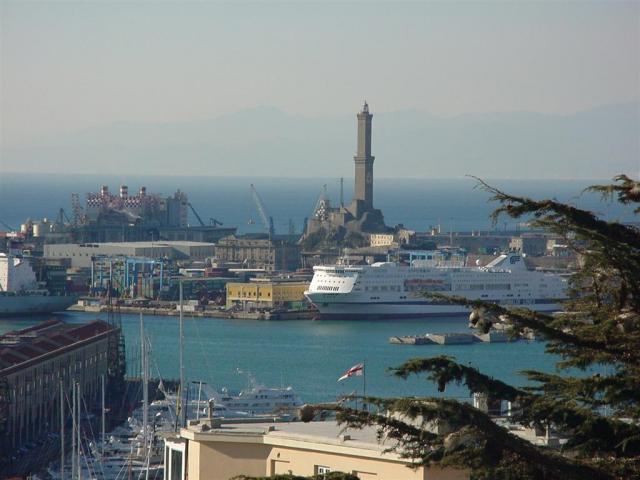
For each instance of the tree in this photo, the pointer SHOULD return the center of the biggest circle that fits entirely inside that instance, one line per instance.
(598, 413)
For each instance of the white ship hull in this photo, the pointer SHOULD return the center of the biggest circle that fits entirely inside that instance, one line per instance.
(34, 304)
(390, 290)
(330, 309)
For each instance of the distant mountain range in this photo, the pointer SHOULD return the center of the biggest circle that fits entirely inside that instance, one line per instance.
(265, 141)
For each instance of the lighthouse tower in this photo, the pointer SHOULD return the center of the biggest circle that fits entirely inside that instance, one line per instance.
(363, 160)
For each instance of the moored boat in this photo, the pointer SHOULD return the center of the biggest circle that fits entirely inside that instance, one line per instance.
(393, 290)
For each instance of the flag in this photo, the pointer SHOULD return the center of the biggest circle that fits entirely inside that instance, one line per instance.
(356, 370)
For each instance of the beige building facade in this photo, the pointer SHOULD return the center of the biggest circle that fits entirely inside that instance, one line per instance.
(297, 448)
(268, 294)
(258, 251)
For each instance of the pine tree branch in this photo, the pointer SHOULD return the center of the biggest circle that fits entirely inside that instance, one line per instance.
(543, 324)
(443, 370)
(543, 405)
(483, 438)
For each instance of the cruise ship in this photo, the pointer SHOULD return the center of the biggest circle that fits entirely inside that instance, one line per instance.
(395, 290)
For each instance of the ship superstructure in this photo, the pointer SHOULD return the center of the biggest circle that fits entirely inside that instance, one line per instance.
(390, 289)
(20, 292)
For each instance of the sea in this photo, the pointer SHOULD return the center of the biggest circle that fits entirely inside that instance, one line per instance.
(308, 355)
(453, 204)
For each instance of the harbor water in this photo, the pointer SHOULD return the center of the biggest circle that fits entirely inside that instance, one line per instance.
(310, 355)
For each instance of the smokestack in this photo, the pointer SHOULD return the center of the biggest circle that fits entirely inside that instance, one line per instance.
(124, 191)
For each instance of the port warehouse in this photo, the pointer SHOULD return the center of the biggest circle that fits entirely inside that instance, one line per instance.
(219, 452)
(152, 269)
(37, 362)
(81, 255)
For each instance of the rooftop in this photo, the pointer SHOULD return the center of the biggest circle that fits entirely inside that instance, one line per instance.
(323, 434)
(156, 244)
(20, 346)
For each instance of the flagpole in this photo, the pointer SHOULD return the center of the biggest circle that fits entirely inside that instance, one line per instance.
(364, 385)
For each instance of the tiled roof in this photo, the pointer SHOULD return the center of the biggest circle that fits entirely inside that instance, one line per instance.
(20, 346)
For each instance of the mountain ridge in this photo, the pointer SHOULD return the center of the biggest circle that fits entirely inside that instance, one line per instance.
(265, 140)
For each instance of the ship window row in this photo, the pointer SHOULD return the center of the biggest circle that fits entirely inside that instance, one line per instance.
(384, 288)
(328, 288)
(489, 286)
(431, 288)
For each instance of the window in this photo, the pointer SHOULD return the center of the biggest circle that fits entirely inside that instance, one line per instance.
(320, 470)
(176, 465)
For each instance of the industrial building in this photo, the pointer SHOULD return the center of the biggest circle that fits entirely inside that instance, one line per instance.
(267, 449)
(259, 251)
(126, 217)
(81, 254)
(266, 293)
(39, 362)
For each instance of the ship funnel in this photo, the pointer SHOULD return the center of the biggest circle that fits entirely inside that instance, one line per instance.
(124, 191)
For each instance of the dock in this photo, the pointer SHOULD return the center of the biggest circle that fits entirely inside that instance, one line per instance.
(450, 338)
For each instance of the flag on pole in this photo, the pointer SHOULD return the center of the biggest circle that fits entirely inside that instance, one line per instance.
(355, 371)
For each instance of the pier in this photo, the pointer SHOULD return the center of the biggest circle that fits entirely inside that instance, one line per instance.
(451, 338)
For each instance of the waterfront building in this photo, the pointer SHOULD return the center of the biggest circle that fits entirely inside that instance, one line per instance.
(266, 293)
(401, 236)
(81, 254)
(259, 251)
(529, 244)
(265, 449)
(37, 362)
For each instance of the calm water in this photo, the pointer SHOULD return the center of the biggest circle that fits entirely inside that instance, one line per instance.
(417, 203)
(311, 355)
(307, 355)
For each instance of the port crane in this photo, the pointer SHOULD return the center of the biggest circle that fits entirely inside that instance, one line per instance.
(196, 214)
(267, 220)
(11, 229)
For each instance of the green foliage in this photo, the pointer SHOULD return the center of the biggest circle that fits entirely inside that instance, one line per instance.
(598, 414)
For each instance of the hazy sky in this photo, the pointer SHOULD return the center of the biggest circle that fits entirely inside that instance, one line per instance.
(71, 65)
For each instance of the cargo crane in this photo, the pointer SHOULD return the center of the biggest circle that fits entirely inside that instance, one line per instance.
(11, 229)
(196, 214)
(62, 216)
(267, 220)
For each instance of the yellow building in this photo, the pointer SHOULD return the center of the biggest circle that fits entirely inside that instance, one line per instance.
(263, 449)
(265, 294)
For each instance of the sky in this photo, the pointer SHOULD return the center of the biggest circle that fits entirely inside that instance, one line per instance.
(70, 66)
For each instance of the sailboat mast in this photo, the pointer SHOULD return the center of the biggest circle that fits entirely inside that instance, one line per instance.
(61, 428)
(78, 444)
(145, 385)
(183, 414)
(74, 427)
(103, 413)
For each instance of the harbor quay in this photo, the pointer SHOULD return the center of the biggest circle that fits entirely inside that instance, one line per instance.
(216, 271)
(121, 254)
